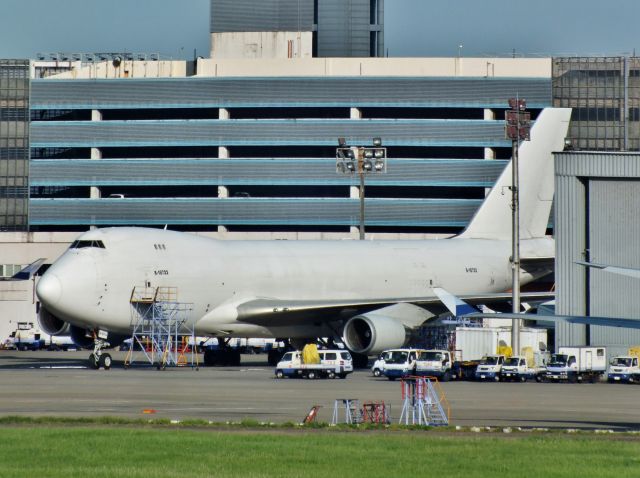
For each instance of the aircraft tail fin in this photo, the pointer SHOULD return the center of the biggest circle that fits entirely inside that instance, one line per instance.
(493, 218)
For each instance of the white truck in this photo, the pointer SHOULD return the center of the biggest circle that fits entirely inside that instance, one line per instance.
(624, 369)
(332, 364)
(516, 369)
(435, 363)
(577, 364)
(400, 363)
(490, 367)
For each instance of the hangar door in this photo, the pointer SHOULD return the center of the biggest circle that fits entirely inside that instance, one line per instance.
(613, 238)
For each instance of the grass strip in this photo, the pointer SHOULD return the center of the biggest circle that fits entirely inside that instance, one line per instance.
(84, 450)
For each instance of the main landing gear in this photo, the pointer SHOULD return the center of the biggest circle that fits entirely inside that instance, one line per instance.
(222, 356)
(99, 359)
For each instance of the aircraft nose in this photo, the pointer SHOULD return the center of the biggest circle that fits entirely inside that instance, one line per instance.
(49, 289)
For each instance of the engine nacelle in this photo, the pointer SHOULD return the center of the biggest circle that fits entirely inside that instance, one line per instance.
(51, 324)
(370, 334)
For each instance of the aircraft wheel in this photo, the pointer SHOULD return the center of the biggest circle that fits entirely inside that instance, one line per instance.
(105, 361)
(94, 362)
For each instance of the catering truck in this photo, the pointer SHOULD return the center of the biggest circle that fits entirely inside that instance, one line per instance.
(624, 369)
(436, 363)
(577, 364)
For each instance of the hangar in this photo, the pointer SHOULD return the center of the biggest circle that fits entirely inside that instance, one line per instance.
(597, 211)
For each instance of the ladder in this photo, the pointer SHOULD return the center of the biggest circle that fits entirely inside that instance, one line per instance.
(159, 321)
(423, 403)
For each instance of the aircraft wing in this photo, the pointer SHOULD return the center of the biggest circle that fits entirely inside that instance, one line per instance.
(625, 271)
(572, 319)
(27, 272)
(269, 311)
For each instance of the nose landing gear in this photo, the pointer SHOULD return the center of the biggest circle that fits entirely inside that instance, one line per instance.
(99, 359)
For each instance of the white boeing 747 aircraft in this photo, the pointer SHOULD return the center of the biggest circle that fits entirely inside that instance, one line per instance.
(373, 294)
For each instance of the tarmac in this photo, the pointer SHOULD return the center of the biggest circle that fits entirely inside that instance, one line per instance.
(58, 384)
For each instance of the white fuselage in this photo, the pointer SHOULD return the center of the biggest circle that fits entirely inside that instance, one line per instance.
(92, 287)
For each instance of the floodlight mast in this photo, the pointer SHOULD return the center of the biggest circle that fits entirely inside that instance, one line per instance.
(364, 160)
(517, 127)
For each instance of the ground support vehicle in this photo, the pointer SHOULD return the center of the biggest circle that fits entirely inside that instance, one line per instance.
(516, 369)
(436, 363)
(577, 364)
(330, 364)
(400, 363)
(624, 369)
(490, 367)
(378, 366)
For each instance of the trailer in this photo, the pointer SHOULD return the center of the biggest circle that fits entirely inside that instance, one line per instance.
(577, 364)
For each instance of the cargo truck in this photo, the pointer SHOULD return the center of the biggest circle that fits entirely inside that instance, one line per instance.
(624, 369)
(577, 364)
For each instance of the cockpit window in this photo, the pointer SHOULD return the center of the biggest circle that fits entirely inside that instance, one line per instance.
(83, 244)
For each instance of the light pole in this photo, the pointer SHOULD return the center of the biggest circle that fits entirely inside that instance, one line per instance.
(517, 127)
(361, 160)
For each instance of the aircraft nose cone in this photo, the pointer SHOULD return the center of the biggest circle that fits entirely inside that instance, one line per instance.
(49, 289)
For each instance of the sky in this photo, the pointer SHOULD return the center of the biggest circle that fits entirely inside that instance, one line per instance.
(175, 28)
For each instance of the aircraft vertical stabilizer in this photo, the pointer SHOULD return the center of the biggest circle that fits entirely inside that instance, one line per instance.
(493, 218)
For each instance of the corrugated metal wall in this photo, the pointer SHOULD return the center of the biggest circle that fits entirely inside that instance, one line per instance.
(614, 229)
(170, 172)
(194, 92)
(270, 211)
(343, 28)
(597, 219)
(266, 132)
(261, 16)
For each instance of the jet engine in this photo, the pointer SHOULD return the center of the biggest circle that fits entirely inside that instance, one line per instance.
(51, 324)
(370, 334)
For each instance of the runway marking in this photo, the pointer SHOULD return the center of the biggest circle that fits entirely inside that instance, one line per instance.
(59, 367)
